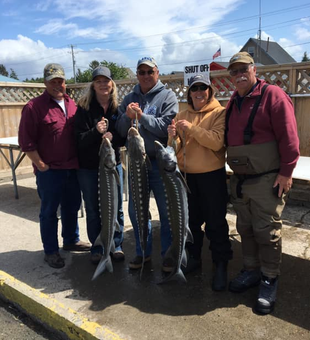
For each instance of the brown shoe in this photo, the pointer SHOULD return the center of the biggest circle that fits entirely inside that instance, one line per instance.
(78, 246)
(136, 263)
(168, 265)
(95, 258)
(54, 260)
(118, 256)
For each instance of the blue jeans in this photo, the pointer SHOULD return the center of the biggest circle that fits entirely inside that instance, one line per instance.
(88, 179)
(58, 187)
(157, 187)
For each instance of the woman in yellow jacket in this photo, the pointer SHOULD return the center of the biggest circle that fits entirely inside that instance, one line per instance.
(199, 135)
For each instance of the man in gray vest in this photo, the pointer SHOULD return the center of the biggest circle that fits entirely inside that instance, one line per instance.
(262, 150)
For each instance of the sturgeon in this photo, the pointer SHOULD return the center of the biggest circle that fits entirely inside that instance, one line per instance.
(138, 164)
(108, 202)
(177, 207)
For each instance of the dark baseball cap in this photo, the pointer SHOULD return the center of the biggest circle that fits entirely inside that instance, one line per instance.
(52, 71)
(199, 78)
(101, 71)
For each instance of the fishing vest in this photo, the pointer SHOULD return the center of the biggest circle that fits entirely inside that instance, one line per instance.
(250, 161)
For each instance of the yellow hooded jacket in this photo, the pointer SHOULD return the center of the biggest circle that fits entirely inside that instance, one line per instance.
(204, 142)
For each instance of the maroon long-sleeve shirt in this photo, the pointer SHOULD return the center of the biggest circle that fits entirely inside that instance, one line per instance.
(274, 120)
(45, 128)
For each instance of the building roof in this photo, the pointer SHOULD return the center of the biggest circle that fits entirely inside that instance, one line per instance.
(8, 80)
(272, 49)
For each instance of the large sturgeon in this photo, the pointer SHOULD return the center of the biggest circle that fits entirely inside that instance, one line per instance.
(177, 207)
(138, 164)
(108, 199)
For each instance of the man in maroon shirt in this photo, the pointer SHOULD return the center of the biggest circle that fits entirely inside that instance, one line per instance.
(262, 150)
(46, 135)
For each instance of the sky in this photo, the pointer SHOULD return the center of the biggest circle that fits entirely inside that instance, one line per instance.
(176, 33)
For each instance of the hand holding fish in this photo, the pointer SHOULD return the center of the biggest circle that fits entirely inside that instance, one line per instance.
(133, 111)
(172, 130)
(108, 135)
(183, 125)
(102, 126)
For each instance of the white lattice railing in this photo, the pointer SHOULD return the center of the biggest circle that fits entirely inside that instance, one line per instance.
(293, 78)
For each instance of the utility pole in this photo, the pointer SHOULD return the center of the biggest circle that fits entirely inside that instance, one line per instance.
(259, 34)
(73, 63)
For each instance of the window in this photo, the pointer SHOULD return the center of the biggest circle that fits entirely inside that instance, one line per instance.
(251, 51)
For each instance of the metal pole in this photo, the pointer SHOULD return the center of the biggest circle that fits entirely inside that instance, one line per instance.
(73, 64)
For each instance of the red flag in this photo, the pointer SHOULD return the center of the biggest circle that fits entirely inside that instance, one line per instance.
(217, 53)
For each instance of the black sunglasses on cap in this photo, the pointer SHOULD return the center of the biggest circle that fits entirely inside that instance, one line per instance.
(196, 88)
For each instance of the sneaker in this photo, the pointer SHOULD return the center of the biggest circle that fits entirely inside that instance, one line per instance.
(267, 295)
(78, 246)
(136, 263)
(245, 279)
(54, 260)
(118, 256)
(192, 265)
(95, 258)
(219, 281)
(168, 265)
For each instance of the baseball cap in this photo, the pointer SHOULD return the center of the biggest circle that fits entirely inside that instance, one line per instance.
(149, 61)
(101, 71)
(241, 57)
(52, 71)
(199, 78)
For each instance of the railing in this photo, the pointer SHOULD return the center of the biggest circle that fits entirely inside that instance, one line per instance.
(293, 78)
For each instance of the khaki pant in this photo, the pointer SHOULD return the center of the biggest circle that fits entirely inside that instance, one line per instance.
(259, 223)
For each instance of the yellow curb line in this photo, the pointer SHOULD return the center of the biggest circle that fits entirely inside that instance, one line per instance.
(50, 312)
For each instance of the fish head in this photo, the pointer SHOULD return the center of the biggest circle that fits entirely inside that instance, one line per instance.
(136, 146)
(166, 157)
(107, 154)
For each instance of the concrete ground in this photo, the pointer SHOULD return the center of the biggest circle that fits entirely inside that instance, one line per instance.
(120, 306)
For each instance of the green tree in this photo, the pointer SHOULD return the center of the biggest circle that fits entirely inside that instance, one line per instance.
(13, 74)
(305, 57)
(32, 80)
(117, 71)
(3, 70)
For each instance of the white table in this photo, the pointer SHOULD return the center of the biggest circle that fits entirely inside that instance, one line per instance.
(301, 171)
(11, 144)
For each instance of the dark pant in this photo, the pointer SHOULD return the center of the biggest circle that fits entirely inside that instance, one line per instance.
(58, 187)
(88, 179)
(207, 204)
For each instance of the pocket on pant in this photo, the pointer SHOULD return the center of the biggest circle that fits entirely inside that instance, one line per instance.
(240, 164)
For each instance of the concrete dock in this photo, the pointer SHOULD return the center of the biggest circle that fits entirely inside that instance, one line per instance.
(120, 306)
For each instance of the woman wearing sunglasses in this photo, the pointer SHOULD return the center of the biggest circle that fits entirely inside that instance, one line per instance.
(199, 135)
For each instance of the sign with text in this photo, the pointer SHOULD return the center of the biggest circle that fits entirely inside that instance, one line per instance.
(190, 71)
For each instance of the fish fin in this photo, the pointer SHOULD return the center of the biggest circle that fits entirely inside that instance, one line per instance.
(118, 181)
(104, 264)
(98, 241)
(112, 249)
(117, 226)
(178, 173)
(189, 235)
(184, 258)
(176, 275)
(109, 265)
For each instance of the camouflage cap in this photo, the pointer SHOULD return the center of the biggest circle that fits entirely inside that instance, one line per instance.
(240, 57)
(52, 71)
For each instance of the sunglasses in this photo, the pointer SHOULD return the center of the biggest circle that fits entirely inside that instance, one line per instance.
(196, 88)
(241, 70)
(149, 72)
